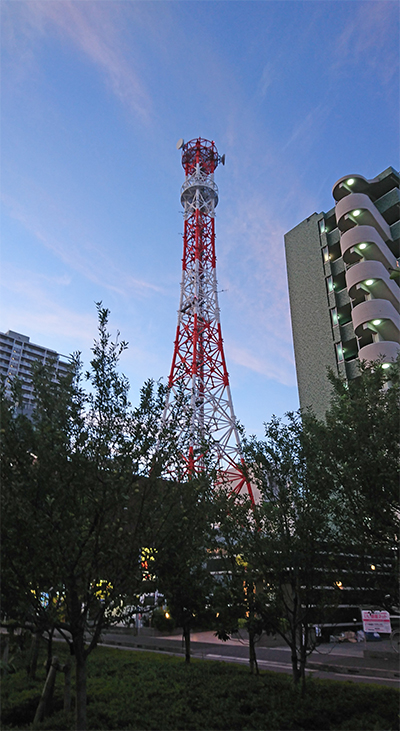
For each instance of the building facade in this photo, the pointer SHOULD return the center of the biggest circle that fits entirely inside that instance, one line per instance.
(17, 354)
(343, 288)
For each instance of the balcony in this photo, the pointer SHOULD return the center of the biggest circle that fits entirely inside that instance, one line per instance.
(358, 209)
(365, 242)
(378, 315)
(388, 351)
(373, 278)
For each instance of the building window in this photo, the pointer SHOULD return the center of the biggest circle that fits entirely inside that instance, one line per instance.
(334, 317)
(329, 284)
(325, 254)
(321, 226)
(339, 352)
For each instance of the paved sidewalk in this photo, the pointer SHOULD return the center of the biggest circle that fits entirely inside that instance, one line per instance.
(344, 658)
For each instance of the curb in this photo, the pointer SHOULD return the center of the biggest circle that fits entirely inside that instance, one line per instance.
(322, 667)
(353, 670)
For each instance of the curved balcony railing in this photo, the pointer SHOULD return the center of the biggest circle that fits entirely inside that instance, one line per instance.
(378, 315)
(386, 350)
(350, 184)
(358, 209)
(373, 278)
(365, 242)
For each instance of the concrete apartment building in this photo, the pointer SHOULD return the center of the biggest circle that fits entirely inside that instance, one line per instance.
(344, 303)
(17, 354)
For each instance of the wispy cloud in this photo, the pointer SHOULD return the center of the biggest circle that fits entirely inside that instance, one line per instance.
(266, 80)
(95, 28)
(365, 36)
(309, 126)
(254, 273)
(270, 368)
(29, 306)
(84, 256)
(34, 306)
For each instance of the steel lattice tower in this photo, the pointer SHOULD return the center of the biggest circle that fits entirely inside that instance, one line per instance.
(198, 369)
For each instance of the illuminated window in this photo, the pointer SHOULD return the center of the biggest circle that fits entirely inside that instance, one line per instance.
(329, 284)
(339, 352)
(334, 316)
(325, 253)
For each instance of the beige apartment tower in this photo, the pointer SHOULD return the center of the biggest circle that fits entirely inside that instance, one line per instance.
(343, 288)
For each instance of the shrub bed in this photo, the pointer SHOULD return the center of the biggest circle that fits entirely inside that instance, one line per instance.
(134, 691)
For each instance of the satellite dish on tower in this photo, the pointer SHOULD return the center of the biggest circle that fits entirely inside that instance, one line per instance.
(223, 159)
(180, 144)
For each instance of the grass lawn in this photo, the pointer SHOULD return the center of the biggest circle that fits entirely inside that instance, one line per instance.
(139, 690)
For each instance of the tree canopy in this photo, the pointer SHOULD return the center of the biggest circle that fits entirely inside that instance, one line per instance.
(80, 498)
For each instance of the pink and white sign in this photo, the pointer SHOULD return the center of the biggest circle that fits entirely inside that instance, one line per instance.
(376, 621)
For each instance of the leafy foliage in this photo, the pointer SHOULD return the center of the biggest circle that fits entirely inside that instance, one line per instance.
(79, 498)
(183, 551)
(328, 515)
(145, 691)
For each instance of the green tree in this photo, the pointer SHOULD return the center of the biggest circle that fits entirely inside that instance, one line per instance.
(286, 541)
(234, 597)
(359, 446)
(183, 551)
(79, 483)
(328, 515)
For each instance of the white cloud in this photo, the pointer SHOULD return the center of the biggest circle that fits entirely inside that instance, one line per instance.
(95, 28)
(83, 256)
(29, 307)
(309, 127)
(267, 78)
(366, 37)
(252, 268)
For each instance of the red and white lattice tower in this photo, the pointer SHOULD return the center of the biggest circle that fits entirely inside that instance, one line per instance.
(198, 368)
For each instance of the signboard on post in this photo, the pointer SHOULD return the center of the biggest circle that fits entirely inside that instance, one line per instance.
(376, 621)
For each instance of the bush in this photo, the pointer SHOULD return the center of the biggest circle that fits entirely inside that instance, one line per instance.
(162, 623)
(134, 691)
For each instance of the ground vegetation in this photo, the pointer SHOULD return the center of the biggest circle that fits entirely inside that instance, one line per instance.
(136, 691)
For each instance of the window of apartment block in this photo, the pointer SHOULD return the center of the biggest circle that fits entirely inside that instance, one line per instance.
(325, 254)
(334, 317)
(339, 352)
(321, 226)
(329, 284)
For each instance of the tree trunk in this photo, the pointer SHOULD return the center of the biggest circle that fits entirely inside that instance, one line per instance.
(303, 660)
(67, 687)
(49, 649)
(186, 635)
(294, 652)
(34, 655)
(47, 691)
(80, 693)
(295, 668)
(252, 653)
(6, 650)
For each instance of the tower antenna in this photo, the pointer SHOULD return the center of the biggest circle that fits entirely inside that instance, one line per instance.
(198, 369)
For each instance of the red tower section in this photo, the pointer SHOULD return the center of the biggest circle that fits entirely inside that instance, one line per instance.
(198, 368)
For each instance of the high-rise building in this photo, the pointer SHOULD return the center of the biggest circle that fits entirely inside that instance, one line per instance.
(17, 354)
(343, 284)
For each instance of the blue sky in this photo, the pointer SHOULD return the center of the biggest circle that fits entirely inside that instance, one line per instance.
(95, 96)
